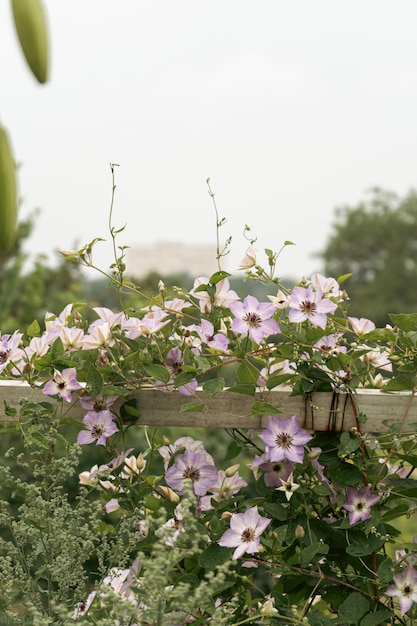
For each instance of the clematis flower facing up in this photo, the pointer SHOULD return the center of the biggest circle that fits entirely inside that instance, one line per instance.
(404, 588)
(359, 502)
(192, 466)
(99, 426)
(62, 384)
(308, 304)
(285, 439)
(244, 532)
(254, 318)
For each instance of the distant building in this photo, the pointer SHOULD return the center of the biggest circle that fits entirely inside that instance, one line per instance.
(167, 258)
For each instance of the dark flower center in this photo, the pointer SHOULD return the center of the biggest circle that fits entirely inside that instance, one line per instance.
(252, 319)
(61, 385)
(191, 472)
(99, 405)
(360, 505)
(284, 440)
(176, 368)
(97, 431)
(4, 355)
(248, 535)
(308, 307)
(277, 467)
(407, 589)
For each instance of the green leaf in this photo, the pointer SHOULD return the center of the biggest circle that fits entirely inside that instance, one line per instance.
(343, 278)
(213, 386)
(247, 373)
(183, 379)
(310, 552)
(318, 619)
(404, 321)
(248, 390)
(213, 556)
(202, 363)
(233, 449)
(278, 379)
(277, 511)
(385, 570)
(94, 381)
(129, 411)
(57, 349)
(353, 608)
(34, 330)
(379, 617)
(159, 372)
(366, 546)
(218, 276)
(9, 410)
(265, 408)
(192, 407)
(400, 383)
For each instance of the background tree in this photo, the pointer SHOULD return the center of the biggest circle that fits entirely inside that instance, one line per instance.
(376, 241)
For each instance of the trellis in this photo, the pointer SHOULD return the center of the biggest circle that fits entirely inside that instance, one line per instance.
(321, 411)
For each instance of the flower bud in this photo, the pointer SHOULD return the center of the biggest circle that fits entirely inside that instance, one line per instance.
(168, 493)
(231, 471)
(226, 515)
(299, 532)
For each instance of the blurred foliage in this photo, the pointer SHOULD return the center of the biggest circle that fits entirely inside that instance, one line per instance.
(29, 289)
(376, 241)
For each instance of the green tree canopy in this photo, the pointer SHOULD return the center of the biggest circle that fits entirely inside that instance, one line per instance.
(376, 241)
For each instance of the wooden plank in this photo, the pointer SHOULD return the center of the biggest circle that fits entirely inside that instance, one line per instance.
(324, 411)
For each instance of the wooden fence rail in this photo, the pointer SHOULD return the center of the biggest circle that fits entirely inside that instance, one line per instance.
(322, 411)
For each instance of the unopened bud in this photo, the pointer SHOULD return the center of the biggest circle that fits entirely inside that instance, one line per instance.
(231, 471)
(226, 515)
(299, 532)
(168, 493)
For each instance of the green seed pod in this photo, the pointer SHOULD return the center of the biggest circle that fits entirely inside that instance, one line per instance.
(8, 194)
(30, 22)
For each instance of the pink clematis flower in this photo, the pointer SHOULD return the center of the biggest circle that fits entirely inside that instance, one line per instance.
(404, 588)
(9, 350)
(307, 304)
(62, 384)
(244, 532)
(361, 325)
(249, 260)
(223, 295)
(192, 466)
(285, 439)
(254, 318)
(358, 503)
(99, 426)
(217, 341)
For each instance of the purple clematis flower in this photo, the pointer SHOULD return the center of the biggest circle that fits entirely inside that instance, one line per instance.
(358, 503)
(192, 466)
(307, 304)
(254, 318)
(284, 439)
(244, 532)
(217, 341)
(404, 588)
(62, 384)
(99, 426)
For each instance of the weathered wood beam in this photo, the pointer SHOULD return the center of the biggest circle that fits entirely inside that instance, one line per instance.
(321, 412)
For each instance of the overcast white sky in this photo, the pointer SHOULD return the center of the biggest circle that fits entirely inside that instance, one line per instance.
(291, 109)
